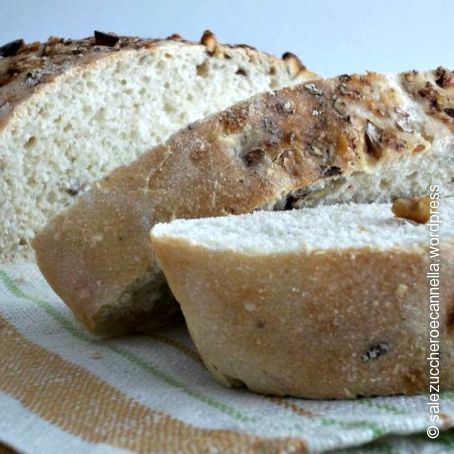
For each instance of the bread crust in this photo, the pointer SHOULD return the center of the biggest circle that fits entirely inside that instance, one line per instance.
(245, 158)
(330, 324)
(34, 66)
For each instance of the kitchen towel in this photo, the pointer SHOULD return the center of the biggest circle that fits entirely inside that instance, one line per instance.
(64, 390)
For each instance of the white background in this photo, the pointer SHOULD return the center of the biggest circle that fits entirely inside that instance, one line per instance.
(330, 36)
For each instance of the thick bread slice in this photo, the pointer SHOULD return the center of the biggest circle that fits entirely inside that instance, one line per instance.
(327, 302)
(362, 138)
(72, 110)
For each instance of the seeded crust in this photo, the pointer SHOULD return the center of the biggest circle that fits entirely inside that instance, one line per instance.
(96, 255)
(26, 68)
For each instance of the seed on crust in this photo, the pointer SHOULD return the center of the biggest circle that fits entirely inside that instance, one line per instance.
(404, 124)
(445, 78)
(291, 161)
(346, 90)
(373, 136)
(254, 157)
(294, 64)
(105, 39)
(209, 41)
(375, 351)
(287, 107)
(313, 89)
(330, 171)
(12, 48)
(175, 37)
(449, 111)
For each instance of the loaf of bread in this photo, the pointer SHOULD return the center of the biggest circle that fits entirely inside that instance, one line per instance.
(326, 302)
(359, 138)
(72, 110)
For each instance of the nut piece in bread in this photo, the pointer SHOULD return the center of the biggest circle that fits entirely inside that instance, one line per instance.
(368, 138)
(325, 303)
(417, 209)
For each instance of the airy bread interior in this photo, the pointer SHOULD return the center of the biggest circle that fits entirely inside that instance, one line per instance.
(403, 176)
(96, 117)
(309, 229)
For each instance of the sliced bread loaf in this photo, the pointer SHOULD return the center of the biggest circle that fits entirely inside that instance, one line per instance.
(72, 110)
(352, 138)
(327, 302)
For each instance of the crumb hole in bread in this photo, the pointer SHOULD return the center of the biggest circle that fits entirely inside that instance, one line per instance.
(100, 115)
(31, 143)
(169, 108)
(22, 242)
(241, 72)
(385, 184)
(43, 113)
(202, 69)
(51, 197)
(274, 84)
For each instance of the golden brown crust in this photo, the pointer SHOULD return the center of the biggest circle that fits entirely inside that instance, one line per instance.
(245, 158)
(331, 324)
(26, 68)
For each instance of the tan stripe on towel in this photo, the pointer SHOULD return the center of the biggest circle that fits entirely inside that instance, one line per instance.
(80, 403)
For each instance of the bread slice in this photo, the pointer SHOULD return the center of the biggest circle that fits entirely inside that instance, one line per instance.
(352, 138)
(72, 110)
(327, 302)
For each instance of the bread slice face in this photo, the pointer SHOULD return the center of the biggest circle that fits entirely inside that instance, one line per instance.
(359, 138)
(73, 110)
(327, 302)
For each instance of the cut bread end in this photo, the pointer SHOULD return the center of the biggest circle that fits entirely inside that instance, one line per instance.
(326, 303)
(96, 116)
(335, 227)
